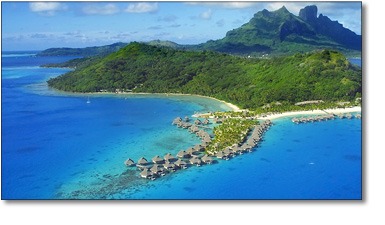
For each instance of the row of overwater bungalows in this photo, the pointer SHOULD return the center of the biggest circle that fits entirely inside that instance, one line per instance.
(254, 138)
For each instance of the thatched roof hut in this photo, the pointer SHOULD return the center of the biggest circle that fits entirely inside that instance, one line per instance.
(220, 155)
(207, 159)
(146, 173)
(142, 161)
(183, 154)
(194, 129)
(177, 120)
(157, 159)
(197, 122)
(180, 163)
(169, 157)
(169, 166)
(195, 161)
(227, 151)
(206, 139)
(129, 162)
(199, 147)
(157, 169)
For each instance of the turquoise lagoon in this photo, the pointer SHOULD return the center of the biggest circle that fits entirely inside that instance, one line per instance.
(57, 146)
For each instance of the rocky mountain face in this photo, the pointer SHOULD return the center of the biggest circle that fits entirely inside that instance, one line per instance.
(324, 26)
(281, 32)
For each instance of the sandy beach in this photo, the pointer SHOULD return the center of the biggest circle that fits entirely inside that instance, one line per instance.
(312, 112)
(230, 105)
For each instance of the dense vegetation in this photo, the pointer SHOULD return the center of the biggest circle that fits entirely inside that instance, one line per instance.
(247, 82)
(75, 63)
(89, 51)
(231, 131)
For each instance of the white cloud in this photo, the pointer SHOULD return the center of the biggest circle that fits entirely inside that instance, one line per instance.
(238, 5)
(229, 5)
(142, 7)
(46, 8)
(108, 9)
(206, 15)
(291, 6)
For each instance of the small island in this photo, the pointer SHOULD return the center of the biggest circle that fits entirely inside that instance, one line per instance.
(286, 80)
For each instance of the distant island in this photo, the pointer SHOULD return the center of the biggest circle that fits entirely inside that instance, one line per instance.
(85, 52)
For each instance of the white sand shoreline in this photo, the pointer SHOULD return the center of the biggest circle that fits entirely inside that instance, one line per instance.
(312, 112)
(230, 105)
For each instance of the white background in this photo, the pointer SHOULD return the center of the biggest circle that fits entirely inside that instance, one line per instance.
(251, 212)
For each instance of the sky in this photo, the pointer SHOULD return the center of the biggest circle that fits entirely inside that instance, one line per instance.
(42, 25)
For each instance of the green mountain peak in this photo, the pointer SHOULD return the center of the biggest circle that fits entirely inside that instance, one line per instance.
(281, 32)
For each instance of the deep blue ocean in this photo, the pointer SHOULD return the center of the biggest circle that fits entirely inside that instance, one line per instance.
(55, 145)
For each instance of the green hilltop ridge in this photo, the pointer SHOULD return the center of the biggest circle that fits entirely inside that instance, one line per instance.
(282, 33)
(88, 51)
(247, 82)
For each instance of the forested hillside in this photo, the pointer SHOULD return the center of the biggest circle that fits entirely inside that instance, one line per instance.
(247, 82)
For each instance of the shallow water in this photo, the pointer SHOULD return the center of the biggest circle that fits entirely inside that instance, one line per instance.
(56, 145)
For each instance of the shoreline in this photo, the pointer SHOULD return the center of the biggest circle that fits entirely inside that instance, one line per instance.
(233, 107)
(312, 112)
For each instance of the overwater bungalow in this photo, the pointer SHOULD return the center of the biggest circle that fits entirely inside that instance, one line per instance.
(194, 129)
(186, 119)
(195, 161)
(169, 166)
(181, 164)
(220, 155)
(177, 120)
(204, 144)
(168, 157)
(227, 152)
(199, 148)
(157, 159)
(349, 116)
(206, 122)
(358, 116)
(146, 174)
(239, 150)
(186, 125)
(142, 161)
(129, 162)
(157, 169)
(206, 139)
(207, 159)
(197, 122)
(183, 154)
(295, 120)
(192, 151)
